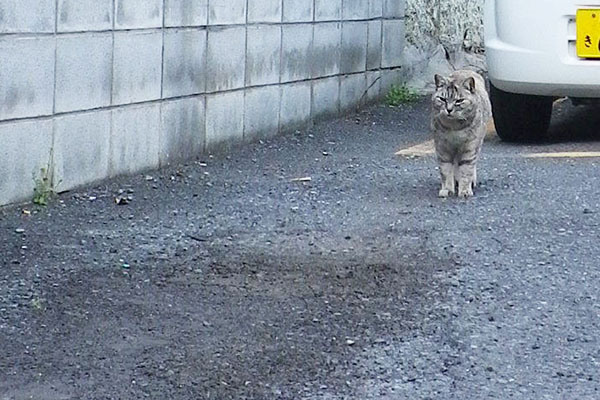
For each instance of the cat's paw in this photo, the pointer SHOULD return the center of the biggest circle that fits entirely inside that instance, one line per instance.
(444, 193)
(465, 192)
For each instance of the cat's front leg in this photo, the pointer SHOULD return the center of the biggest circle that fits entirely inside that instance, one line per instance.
(447, 173)
(467, 176)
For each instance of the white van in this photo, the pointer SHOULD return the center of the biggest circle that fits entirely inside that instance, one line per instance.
(538, 50)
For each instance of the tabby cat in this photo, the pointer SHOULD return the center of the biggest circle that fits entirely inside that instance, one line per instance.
(460, 111)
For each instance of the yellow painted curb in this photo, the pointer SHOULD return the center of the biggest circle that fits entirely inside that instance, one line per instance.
(427, 148)
(490, 129)
(419, 150)
(569, 154)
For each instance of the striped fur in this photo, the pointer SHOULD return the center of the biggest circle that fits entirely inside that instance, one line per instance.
(460, 112)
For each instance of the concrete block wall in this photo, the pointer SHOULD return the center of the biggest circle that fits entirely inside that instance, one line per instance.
(91, 89)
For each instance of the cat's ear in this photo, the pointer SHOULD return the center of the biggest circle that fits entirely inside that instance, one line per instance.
(469, 84)
(440, 81)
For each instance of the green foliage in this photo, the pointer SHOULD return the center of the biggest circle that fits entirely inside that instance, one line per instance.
(42, 191)
(400, 95)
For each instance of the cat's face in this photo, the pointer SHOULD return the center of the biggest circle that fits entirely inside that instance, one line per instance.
(454, 99)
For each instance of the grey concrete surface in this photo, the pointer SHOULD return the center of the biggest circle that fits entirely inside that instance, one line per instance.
(326, 97)
(224, 119)
(226, 12)
(328, 10)
(298, 10)
(261, 113)
(354, 47)
(296, 45)
(393, 9)
(263, 55)
(356, 9)
(184, 66)
(264, 11)
(37, 137)
(136, 14)
(392, 47)
(80, 149)
(375, 8)
(28, 85)
(137, 67)
(28, 16)
(84, 70)
(84, 15)
(352, 89)
(135, 139)
(315, 265)
(327, 49)
(186, 13)
(295, 105)
(180, 138)
(373, 46)
(226, 50)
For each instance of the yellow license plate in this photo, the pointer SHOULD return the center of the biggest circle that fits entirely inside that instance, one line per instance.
(588, 33)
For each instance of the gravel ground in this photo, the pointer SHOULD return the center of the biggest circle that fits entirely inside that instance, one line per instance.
(229, 278)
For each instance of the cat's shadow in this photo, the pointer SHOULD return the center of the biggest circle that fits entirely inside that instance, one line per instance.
(574, 123)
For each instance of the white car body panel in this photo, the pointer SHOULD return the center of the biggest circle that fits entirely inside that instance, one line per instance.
(530, 48)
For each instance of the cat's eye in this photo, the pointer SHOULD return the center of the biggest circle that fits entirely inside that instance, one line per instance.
(459, 101)
(441, 99)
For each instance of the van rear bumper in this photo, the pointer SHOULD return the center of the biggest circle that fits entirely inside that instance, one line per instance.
(530, 48)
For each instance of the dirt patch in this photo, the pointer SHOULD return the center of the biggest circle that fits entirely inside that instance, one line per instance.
(235, 326)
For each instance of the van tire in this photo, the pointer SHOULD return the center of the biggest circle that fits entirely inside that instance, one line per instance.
(520, 117)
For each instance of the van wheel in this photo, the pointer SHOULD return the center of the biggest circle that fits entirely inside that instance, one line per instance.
(520, 117)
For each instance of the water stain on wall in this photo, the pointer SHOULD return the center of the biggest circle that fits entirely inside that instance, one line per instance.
(353, 58)
(326, 60)
(64, 13)
(11, 100)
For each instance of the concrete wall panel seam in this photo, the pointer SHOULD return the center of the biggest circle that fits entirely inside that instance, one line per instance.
(56, 16)
(112, 70)
(281, 43)
(162, 57)
(55, 55)
(158, 100)
(245, 75)
(312, 52)
(161, 142)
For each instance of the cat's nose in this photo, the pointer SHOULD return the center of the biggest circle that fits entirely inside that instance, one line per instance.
(449, 110)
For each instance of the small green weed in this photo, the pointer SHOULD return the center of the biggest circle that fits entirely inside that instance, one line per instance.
(38, 304)
(42, 191)
(400, 95)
